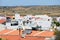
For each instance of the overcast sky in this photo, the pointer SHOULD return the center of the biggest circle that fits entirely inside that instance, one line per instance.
(28, 2)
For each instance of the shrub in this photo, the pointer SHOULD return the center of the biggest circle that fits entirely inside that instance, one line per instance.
(57, 23)
(57, 33)
(3, 39)
(0, 38)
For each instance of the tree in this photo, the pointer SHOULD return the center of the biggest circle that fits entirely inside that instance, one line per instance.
(0, 38)
(57, 23)
(57, 33)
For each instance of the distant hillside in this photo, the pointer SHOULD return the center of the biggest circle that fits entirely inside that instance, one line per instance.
(34, 10)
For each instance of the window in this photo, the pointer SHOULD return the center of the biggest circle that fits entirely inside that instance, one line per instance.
(48, 19)
(14, 23)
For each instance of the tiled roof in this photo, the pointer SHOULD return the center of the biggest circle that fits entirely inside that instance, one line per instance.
(14, 35)
(2, 21)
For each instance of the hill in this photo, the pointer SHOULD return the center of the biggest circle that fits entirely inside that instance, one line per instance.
(34, 10)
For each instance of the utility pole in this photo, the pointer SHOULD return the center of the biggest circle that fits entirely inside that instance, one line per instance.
(19, 29)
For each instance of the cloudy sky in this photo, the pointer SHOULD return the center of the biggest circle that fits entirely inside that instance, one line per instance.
(28, 2)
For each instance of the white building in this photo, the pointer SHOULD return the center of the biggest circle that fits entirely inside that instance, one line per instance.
(58, 19)
(14, 24)
(2, 17)
(17, 16)
(44, 21)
